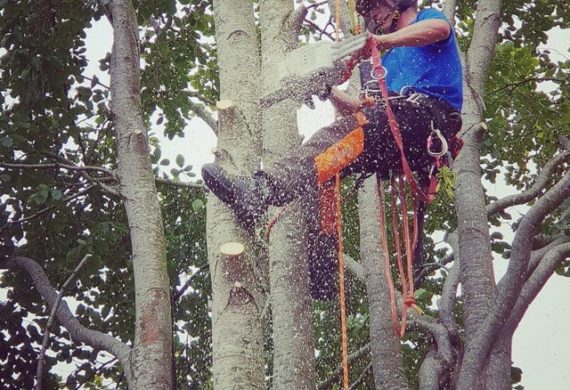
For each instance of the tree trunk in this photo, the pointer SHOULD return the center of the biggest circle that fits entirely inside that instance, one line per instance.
(151, 355)
(293, 359)
(477, 277)
(237, 339)
(384, 343)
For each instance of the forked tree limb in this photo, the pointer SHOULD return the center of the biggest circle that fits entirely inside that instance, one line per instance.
(535, 190)
(522, 243)
(77, 331)
(478, 350)
(51, 318)
(534, 284)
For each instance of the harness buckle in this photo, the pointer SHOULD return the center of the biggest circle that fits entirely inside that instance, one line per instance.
(416, 98)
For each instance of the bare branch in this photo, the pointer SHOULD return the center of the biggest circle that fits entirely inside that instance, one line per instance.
(102, 366)
(93, 338)
(47, 209)
(439, 333)
(294, 22)
(448, 298)
(354, 267)
(316, 27)
(510, 285)
(179, 183)
(361, 377)
(441, 356)
(96, 80)
(522, 243)
(204, 115)
(317, 4)
(183, 289)
(57, 166)
(353, 356)
(51, 318)
(534, 284)
(535, 190)
(538, 254)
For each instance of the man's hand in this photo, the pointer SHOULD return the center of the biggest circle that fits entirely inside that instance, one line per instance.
(351, 47)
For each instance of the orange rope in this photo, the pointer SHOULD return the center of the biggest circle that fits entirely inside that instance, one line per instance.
(341, 282)
(399, 322)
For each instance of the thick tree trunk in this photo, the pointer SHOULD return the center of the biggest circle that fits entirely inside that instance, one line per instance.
(477, 277)
(384, 343)
(237, 300)
(151, 355)
(293, 359)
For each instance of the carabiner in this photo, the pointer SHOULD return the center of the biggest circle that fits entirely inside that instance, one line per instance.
(444, 146)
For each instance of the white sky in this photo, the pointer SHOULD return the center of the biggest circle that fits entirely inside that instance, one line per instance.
(541, 346)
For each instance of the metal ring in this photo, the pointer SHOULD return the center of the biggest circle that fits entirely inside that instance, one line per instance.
(383, 76)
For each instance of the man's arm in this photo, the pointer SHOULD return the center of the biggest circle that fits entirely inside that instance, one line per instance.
(418, 34)
(343, 102)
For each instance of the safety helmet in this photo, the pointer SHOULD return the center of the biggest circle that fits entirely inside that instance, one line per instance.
(363, 7)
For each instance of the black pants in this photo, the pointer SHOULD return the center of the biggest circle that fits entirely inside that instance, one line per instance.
(297, 175)
(294, 175)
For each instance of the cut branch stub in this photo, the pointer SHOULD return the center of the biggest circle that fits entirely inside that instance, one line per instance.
(235, 272)
(234, 264)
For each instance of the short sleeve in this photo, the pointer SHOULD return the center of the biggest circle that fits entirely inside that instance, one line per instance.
(432, 13)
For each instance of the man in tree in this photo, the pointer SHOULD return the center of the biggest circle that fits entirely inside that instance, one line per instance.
(424, 79)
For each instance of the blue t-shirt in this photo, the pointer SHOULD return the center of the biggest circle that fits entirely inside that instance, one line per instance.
(434, 69)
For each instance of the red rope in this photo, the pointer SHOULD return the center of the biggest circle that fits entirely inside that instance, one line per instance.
(377, 65)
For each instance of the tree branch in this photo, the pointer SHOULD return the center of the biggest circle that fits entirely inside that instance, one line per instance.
(522, 243)
(439, 333)
(535, 190)
(537, 255)
(353, 356)
(361, 377)
(58, 166)
(354, 267)
(510, 285)
(93, 338)
(533, 285)
(184, 287)
(51, 318)
(204, 115)
(49, 208)
(295, 20)
(179, 183)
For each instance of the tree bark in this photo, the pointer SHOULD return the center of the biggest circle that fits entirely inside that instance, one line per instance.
(293, 358)
(151, 354)
(384, 343)
(237, 339)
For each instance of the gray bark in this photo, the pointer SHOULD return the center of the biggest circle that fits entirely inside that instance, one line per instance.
(237, 340)
(384, 343)
(150, 358)
(77, 331)
(474, 242)
(293, 358)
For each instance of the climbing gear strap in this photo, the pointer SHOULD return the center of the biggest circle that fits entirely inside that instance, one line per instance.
(416, 190)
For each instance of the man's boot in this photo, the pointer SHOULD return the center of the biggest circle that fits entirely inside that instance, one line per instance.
(248, 197)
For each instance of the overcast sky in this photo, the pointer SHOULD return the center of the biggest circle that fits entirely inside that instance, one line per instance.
(541, 345)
